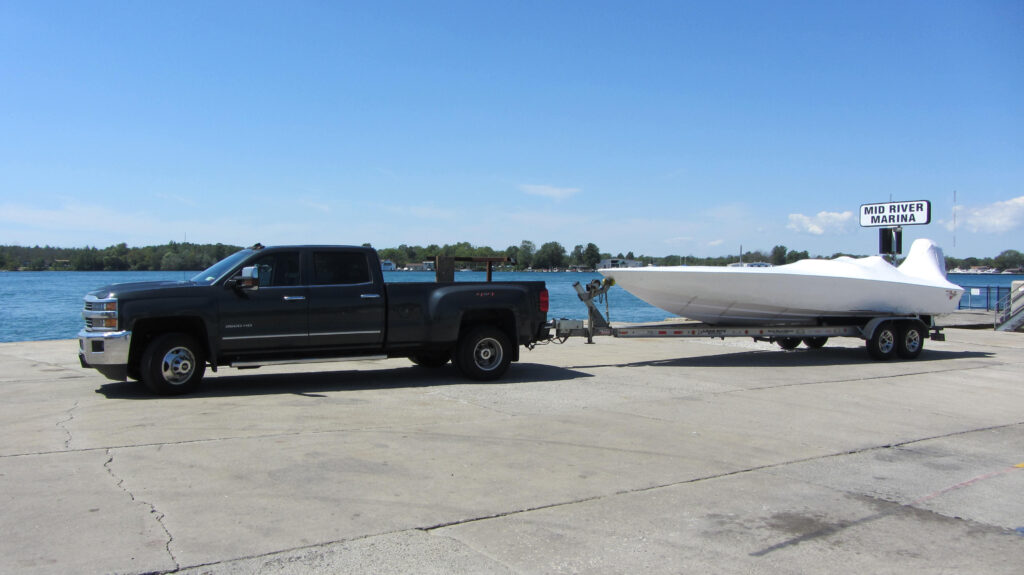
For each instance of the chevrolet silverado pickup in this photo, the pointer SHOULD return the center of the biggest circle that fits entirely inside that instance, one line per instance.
(304, 304)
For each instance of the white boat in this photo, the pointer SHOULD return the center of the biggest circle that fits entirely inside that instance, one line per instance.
(799, 293)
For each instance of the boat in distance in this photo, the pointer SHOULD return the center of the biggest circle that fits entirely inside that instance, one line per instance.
(804, 292)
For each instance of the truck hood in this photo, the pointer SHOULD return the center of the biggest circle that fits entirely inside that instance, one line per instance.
(136, 289)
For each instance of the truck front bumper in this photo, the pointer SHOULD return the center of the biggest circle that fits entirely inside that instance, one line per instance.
(106, 352)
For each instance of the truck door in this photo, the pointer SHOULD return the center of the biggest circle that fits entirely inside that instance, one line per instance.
(273, 317)
(346, 305)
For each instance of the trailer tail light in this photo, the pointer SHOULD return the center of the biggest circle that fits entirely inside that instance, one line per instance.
(544, 300)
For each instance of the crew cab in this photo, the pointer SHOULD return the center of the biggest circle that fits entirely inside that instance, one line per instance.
(304, 304)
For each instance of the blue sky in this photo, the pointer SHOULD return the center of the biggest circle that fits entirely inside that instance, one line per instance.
(655, 127)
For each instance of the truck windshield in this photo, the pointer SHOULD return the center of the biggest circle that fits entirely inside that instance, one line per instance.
(217, 270)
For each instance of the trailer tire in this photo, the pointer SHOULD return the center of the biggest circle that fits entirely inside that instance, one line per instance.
(173, 364)
(883, 343)
(483, 353)
(788, 343)
(815, 342)
(911, 340)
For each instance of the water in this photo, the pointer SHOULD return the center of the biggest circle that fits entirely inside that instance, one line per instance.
(983, 291)
(48, 305)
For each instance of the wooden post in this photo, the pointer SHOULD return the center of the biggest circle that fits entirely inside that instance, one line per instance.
(444, 269)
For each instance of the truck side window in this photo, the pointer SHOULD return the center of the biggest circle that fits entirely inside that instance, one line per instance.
(337, 268)
(281, 269)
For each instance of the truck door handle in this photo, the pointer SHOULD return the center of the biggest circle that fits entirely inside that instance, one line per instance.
(294, 297)
(370, 295)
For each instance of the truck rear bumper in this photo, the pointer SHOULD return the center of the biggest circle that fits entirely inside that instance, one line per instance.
(105, 351)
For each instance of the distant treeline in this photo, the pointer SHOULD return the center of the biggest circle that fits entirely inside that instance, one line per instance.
(170, 257)
(551, 255)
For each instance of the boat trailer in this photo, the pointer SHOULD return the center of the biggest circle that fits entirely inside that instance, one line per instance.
(886, 336)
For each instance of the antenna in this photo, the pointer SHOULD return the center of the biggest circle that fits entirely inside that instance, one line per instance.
(954, 219)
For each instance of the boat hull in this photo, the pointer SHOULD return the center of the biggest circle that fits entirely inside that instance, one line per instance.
(800, 293)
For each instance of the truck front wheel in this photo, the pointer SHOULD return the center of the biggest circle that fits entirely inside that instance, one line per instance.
(483, 354)
(173, 364)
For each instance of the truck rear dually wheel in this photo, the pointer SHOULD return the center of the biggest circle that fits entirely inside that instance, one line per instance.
(173, 364)
(483, 354)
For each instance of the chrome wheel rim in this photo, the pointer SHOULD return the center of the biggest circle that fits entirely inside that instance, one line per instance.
(487, 354)
(886, 341)
(912, 341)
(178, 365)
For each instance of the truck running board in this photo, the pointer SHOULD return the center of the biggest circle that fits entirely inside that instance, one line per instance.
(246, 364)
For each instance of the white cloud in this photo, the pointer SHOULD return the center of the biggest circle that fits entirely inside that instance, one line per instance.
(714, 243)
(549, 191)
(821, 223)
(994, 218)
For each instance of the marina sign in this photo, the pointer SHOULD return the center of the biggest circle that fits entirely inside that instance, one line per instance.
(918, 212)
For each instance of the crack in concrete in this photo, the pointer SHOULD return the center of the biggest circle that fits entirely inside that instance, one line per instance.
(708, 478)
(157, 514)
(69, 415)
(431, 529)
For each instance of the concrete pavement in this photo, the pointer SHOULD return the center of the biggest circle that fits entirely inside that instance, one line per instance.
(664, 456)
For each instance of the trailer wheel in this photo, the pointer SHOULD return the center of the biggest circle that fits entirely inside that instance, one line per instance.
(815, 342)
(883, 342)
(483, 353)
(788, 343)
(173, 364)
(911, 340)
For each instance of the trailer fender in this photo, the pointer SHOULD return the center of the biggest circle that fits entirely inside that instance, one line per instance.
(868, 331)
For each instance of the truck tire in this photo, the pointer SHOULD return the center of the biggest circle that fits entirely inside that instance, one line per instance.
(483, 354)
(173, 364)
(911, 340)
(883, 342)
(431, 360)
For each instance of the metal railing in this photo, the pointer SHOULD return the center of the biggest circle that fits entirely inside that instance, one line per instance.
(1007, 306)
(983, 297)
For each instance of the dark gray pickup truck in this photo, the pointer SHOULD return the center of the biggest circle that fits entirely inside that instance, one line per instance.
(304, 304)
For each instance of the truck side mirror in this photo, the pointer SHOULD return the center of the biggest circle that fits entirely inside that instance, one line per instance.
(248, 279)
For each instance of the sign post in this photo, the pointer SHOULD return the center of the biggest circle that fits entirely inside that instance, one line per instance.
(890, 218)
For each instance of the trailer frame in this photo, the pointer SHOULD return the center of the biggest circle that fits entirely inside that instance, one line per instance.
(886, 336)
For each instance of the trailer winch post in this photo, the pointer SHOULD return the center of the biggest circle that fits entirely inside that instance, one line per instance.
(594, 290)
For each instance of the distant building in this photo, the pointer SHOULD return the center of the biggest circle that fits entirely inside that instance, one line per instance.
(387, 266)
(619, 263)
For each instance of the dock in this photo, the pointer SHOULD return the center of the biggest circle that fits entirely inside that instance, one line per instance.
(623, 456)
